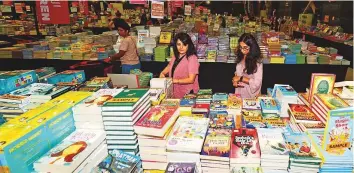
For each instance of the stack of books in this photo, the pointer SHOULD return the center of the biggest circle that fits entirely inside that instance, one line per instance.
(186, 167)
(153, 129)
(295, 48)
(245, 149)
(303, 118)
(186, 140)
(87, 115)
(311, 59)
(303, 156)
(274, 49)
(290, 59)
(161, 53)
(323, 103)
(274, 154)
(312, 48)
(204, 96)
(304, 98)
(163, 83)
(186, 104)
(12, 106)
(277, 59)
(120, 114)
(216, 151)
(269, 105)
(323, 59)
(74, 153)
(285, 95)
(264, 51)
(300, 59)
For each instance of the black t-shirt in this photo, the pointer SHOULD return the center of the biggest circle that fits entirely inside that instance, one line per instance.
(118, 22)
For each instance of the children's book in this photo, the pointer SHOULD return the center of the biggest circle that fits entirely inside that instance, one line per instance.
(171, 102)
(220, 97)
(218, 105)
(269, 105)
(221, 119)
(181, 168)
(128, 99)
(251, 104)
(302, 113)
(234, 101)
(253, 118)
(98, 81)
(187, 102)
(275, 89)
(190, 96)
(272, 143)
(117, 161)
(321, 83)
(330, 101)
(34, 89)
(217, 143)
(246, 170)
(245, 146)
(205, 92)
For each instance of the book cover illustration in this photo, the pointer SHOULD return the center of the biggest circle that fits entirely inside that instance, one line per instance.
(302, 113)
(217, 143)
(157, 117)
(253, 118)
(220, 97)
(190, 96)
(251, 104)
(128, 97)
(245, 144)
(234, 101)
(332, 101)
(181, 168)
(123, 162)
(218, 105)
(271, 141)
(338, 134)
(300, 147)
(221, 119)
(246, 170)
(205, 92)
(101, 96)
(321, 84)
(287, 90)
(187, 102)
(272, 120)
(98, 81)
(170, 102)
(34, 89)
(269, 105)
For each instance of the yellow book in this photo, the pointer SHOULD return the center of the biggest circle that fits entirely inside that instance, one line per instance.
(165, 37)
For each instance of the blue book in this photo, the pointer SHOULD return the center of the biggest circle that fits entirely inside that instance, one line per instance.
(220, 97)
(287, 91)
(119, 161)
(221, 119)
(269, 105)
(13, 80)
(68, 77)
(187, 103)
(269, 91)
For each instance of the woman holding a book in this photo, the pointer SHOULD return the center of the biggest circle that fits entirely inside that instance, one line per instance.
(183, 67)
(249, 68)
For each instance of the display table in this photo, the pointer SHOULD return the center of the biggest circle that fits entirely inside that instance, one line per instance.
(217, 76)
(345, 50)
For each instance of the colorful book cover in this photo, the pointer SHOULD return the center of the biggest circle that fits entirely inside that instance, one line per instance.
(204, 97)
(331, 101)
(218, 105)
(128, 97)
(251, 104)
(170, 102)
(301, 148)
(272, 142)
(269, 105)
(234, 101)
(181, 168)
(321, 83)
(220, 97)
(98, 81)
(33, 89)
(221, 119)
(287, 91)
(244, 145)
(253, 118)
(272, 120)
(217, 143)
(157, 117)
(312, 126)
(101, 96)
(190, 96)
(123, 162)
(338, 134)
(302, 113)
(187, 102)
(246, 170)
(205, 92)
(275, 89)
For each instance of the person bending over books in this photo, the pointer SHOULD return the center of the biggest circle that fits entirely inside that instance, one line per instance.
(249, 68)
(183, 67)
(128, 52)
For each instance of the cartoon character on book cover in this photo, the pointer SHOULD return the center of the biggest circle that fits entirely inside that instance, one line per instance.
(217, 143)
(300, 145)
(100, 100)
(68, 153)
(338, 138)
(322, 84)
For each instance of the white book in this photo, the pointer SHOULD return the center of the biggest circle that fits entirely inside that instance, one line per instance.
(153, 157)
(133, 137)
(134, 119)
(268, 140)
(80, 144)
(156, 150)
(88, 117)
(213, 165)
(122, 147)
(214, 161)
(130, 128)
(138, 113)
(114, 132)
(196, 128)
(248, 103)
(183, 157)
(122, 142)
(152, 142)
(89, 125)
(154, 165)
(95, 157)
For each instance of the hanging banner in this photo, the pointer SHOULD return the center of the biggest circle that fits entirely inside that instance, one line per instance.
(187, 10)
(53, 12)
(84, 8)
(138, 1)
(157, 9)
(178, 3)
(9, 2)
(18, 8)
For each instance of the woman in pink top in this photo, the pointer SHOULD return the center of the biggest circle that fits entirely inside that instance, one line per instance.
(249, 68)
(184, 67)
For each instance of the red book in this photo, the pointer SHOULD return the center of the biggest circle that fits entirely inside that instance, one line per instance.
(245, 147)
(156, 121)
(201, 107)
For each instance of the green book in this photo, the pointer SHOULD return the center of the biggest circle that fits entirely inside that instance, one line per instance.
(126, 100)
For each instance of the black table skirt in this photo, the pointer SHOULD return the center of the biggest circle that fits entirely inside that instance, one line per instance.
(345, 50)
(216, 76)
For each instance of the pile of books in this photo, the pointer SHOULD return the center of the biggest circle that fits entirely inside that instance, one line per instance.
(295, 48)
(302, 119)
(322, 104)
(290, 59)
(285, 94)
(274, 49)
(277, 59)
(311, 59)
(119, 114)
(161, 53)
(323, 59)
(300, 59)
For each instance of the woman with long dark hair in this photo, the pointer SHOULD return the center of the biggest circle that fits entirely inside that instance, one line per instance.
(249, 68)
(183, 67)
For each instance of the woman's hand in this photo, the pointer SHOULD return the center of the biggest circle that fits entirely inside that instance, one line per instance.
(235, 81)
(162, 75)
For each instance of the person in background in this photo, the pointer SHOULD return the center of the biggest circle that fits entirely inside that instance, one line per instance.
(128, 53)
(115, 22)
(249, 68)
(143, 18)
(184, 67)
(222, 22)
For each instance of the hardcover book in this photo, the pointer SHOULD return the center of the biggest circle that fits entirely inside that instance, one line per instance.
(127, 99)
(221, 119)
(302, 113)
(321, 83)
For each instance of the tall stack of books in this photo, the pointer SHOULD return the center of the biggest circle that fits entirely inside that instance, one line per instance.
(274, 154)
(186, 140)
(87, 115)
(290, 59)
(274, 49)
(120, 114)
(285, 95)
(277, 59)
(74, 153)
(12, 106)
(323, 59)
(323, 103)
(153, 129)
(303, 118)
(311, 59)
(161, 53)
(204, 96)
(186, 104)
(300, 59)
(245, 149)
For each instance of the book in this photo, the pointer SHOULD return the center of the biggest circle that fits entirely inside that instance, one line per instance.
(244, 146)
(220, 97)
(187, 102)
(251, 104)
(71, 152)
(54, 92)
(306, 127)
(176, 167)
(156, 121)
(234, 101)
(33, 89)
(272, 143)
(338, 135)
(330, 101)
(302, 113)
(221, 119)
(98, 81)
(127, 100)
(217, 144)
(188, 134)
(321, 83)
(218, 105)
(205, 92)
(275, 89)
(304, 97)
(269, 105)
(246, 170)
(253, 118)
(170, 102)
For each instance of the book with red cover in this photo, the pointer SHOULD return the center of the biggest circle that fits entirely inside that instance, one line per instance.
(156, 121)
(245, 147)
(201, 107)
(302, 113)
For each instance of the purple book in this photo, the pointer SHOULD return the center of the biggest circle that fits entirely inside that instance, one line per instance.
(181, 168)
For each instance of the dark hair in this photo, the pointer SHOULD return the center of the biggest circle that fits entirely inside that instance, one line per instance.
(223, 22)
(254, 55)
(118, 14)
(186, 40)
(124, 25)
